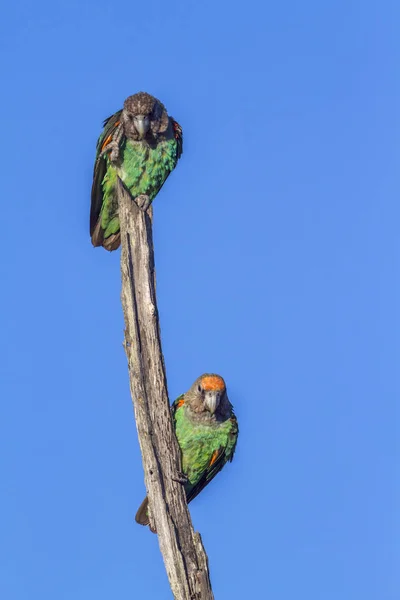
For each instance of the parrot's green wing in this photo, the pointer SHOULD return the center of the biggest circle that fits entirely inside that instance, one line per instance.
(100, 167)
(220, 457)
(179, 147)
(218, 460)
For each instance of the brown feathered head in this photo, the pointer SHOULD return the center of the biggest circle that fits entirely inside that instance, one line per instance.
(207, 398)
(143, 116)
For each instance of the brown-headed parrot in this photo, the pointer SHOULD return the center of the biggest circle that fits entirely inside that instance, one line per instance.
(207, 432)
(141, 145)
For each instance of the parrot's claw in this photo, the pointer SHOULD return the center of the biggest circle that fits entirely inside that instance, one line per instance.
(114, 154)
(180, 478)
(143, 201)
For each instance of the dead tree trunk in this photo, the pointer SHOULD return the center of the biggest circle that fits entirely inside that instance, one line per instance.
(184, 556)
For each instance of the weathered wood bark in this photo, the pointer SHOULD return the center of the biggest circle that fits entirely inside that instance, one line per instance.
(184, 556)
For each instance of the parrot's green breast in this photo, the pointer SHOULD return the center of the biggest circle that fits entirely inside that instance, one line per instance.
(198, 442)
(143, 170)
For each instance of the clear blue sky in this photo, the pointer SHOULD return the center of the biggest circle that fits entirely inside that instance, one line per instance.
(277, 255)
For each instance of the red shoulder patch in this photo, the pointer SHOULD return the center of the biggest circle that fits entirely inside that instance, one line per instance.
(214, 457)
(106, 142)
(177, 130)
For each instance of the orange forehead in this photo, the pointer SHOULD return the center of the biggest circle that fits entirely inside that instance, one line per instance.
(213, 383)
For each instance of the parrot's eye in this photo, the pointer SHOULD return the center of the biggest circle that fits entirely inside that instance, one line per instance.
(199, 388)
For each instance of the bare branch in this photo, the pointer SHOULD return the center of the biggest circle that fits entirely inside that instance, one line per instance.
(184, 556)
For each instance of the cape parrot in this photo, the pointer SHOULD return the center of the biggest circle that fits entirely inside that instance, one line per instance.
(141, 145)
(207, 432)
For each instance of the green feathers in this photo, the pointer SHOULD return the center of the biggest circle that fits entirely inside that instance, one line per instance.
(141, 145)
(205, 449)
(143, 170)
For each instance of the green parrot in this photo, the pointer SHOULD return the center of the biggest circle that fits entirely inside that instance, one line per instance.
(141, 145)
(207, 432)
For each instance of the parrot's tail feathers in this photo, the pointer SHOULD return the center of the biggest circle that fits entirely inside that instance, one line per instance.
(97, 235)
(112, 242)
(141, 515)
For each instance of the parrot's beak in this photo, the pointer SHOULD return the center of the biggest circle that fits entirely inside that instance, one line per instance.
(212, 400)
(142, 125)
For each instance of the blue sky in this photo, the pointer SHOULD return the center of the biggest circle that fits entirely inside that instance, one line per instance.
(277, 260)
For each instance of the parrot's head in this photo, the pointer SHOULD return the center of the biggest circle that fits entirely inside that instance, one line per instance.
(143, 116)
(208, 398)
